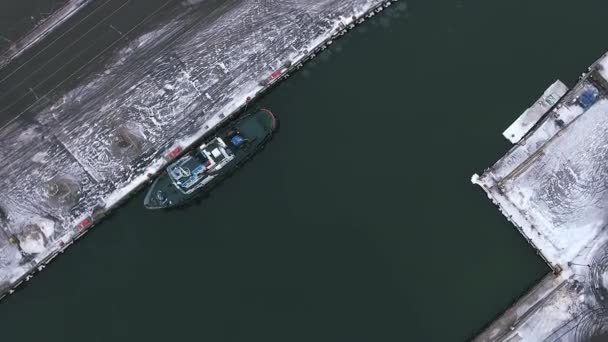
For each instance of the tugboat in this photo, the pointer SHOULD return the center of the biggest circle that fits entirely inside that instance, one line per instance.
(198, 171)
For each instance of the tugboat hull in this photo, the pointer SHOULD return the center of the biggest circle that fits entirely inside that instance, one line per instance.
(183, 180)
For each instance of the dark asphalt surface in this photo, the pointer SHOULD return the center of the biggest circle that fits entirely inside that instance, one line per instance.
(74, 49)
(19, 17)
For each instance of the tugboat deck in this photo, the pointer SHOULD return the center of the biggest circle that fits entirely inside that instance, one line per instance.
(194, 170)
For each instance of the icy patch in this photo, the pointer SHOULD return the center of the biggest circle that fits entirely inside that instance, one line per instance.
(39, 157)
(29, 134)
(32, 244)
(603, 63)
(223, 66)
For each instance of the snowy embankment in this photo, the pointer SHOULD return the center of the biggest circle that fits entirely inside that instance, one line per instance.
(157, 97)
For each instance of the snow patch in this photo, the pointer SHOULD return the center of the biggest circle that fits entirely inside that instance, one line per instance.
(32, 244)
(47, 226)
(39, 157)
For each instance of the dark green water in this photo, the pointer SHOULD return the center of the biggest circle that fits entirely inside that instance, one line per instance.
(358, 221)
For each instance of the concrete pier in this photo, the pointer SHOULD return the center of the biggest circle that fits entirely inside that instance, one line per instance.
(42, 29)
(553, 186)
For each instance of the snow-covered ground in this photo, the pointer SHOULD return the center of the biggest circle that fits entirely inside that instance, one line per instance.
(86, 149)
(553, 185)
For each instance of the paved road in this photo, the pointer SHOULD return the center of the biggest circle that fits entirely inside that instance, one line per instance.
(74, 49)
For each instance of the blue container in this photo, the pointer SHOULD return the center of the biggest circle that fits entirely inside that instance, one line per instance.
(237, 140)
(587, 98)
